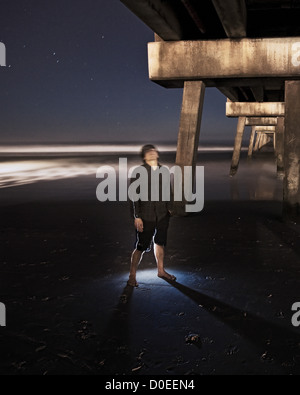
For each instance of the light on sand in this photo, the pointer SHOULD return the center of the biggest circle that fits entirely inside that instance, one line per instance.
(28, 172)
(149, 276)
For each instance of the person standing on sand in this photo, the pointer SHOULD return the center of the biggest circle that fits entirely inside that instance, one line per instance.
(151, 220)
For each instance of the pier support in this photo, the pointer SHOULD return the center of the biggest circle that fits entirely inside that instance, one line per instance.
(263, 140)
(280, 147)
(291, 203)
(257, 142)
(251, 144)
(190, 125)
(238, 146)
(266, 133)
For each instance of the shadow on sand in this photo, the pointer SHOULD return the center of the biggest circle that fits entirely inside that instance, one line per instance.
(114, 354)
(274, 341)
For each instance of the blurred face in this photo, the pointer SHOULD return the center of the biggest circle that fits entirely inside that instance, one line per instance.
(151, 155)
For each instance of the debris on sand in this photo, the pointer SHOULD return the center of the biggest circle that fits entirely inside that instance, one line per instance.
(193, 339)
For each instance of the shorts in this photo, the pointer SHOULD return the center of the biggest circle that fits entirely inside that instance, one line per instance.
(153, 232)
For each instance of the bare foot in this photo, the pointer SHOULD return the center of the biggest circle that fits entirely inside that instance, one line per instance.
(166, 276)
(132, 282)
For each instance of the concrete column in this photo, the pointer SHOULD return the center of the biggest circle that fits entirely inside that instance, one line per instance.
(238, 146)
(251, 144)
(279, 144)
(258, 137)
(190, 123)
(267, 139)
(263, 141)
(291, 200)
(189, 129)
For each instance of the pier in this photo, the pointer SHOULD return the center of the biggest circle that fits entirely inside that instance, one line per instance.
(250, 51)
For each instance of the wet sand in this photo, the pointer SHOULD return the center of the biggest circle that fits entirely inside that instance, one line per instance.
(65, 263)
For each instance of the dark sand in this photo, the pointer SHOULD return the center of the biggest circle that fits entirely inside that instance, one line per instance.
(64, 266)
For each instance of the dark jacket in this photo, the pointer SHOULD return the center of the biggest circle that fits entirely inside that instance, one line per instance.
(152, 210)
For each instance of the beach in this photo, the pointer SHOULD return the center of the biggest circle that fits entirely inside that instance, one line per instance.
(65, 262)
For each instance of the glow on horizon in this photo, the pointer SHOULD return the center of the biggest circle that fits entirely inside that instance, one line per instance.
(97, 148)
(66, 149)
(28, 170)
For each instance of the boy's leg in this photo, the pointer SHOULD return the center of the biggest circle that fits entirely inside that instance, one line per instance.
(159, 252)
(143, 243)
(160, 241)
(136, 258)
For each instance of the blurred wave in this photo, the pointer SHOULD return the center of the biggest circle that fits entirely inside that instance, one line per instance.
(16, 173)
(65, 149)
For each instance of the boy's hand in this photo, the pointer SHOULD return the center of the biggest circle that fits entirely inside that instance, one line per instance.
(139, 225)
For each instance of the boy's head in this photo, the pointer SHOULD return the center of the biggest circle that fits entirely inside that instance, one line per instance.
(149, 152)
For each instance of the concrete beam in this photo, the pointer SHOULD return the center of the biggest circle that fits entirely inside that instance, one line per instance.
(217, 60)
(258, 93)
(255, 121)
(235, 110)
(233, 16)
(230, 93)
(271, 129)
(158, 15)
(194, 15)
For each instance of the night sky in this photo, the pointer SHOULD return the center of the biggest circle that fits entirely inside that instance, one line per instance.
(77, 72)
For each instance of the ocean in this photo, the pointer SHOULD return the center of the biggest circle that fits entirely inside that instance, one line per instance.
(34, 172)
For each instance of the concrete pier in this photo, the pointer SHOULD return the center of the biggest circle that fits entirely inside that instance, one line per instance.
(257, 142)
(171, 63)
(259, 133)
(189, 129)
(280, 147)
(291, 207)
(251, 143)
(211, 44)
(238, 146)
(256, 123)
(190, 123)
(267, 133)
